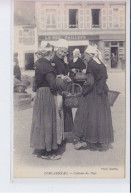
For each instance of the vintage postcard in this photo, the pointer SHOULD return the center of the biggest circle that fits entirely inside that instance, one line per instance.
(69, 91)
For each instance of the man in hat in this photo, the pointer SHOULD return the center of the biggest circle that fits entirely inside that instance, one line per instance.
(62, 68)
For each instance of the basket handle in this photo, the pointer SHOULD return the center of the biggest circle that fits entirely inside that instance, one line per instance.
(73, 85)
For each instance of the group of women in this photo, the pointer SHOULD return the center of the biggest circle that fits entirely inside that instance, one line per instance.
(92, 126)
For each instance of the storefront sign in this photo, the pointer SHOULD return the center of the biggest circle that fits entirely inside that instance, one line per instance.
(68, 37)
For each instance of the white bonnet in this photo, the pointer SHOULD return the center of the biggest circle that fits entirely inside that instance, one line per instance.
(91, 50)
(45, 47)
(76, 50)
(62, 43)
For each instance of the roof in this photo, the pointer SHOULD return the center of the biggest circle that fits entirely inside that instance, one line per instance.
(24, 13)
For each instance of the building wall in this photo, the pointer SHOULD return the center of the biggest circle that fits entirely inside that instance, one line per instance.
(25, 41)
(112, 15)
(111, 26)
(52, 23)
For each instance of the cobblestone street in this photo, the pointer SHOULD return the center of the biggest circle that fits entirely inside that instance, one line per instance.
(28, 165)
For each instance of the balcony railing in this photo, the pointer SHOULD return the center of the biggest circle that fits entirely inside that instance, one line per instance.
(73, 25)
(96, 26)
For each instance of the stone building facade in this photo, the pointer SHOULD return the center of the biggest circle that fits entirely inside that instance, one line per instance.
(80, 22)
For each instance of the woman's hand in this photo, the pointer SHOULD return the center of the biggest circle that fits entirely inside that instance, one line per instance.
(67, 78)
(84, 70)
(73, 70)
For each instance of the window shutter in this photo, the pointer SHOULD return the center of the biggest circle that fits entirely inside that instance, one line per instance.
(103, 18)
(43, 18)
(116, 19)
(122, 18)
(81, 18)
(59, 18)
(110, 18)
(88, 18)
(66, 19)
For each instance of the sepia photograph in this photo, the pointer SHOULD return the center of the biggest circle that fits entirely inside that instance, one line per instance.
(69, 89)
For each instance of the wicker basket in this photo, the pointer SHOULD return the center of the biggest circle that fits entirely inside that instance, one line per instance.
(80, 76)
(112, 96)
(72, 96)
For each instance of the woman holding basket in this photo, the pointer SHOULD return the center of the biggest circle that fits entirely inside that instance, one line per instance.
(93, 124)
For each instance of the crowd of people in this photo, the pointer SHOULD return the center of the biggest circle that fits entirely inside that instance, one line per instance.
(92, 126)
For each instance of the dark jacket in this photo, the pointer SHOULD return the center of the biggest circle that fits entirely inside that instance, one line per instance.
(79, 64)
(45, 76)
(96, 78)
(60, 66)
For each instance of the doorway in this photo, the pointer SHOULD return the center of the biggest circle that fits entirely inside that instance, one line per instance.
(114, 57)
(29, 61)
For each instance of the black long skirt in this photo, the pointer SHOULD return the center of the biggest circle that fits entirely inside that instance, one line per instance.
(93, 121)
(43, 131)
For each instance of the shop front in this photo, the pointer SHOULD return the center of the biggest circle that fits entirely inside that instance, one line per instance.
(74, 41)
(114, 51)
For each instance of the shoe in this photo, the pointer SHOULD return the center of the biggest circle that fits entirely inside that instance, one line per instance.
(80, 145)
(45, 157)
(103, 148)
(55, 157)
(41, 153)
(51, 157)
(92, 147)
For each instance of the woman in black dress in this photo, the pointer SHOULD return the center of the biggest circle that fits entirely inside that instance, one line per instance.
(77, 62)
(93, 123)
(76, 66)
(43, 132)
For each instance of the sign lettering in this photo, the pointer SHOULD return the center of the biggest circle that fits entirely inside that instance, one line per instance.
(67, 37)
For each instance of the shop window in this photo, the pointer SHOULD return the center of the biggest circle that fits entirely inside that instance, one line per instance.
(114, 43)
(121, 44)
(96, 18)
(107, 44)
(73, 18)
(51, 18)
